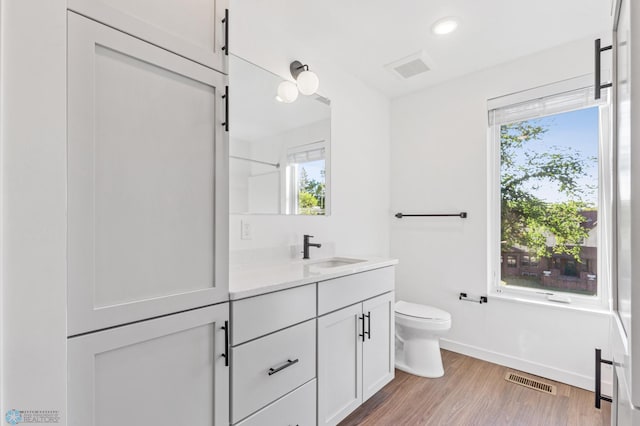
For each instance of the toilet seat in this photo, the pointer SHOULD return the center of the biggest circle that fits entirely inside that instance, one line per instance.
(421, 312)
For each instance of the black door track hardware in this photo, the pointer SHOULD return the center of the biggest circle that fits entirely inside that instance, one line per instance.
(598, 388)
(598, 52)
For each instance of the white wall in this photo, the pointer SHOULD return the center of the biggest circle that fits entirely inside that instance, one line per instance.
(239, 173)
(33, 206)
(358, 224)
(439, 164)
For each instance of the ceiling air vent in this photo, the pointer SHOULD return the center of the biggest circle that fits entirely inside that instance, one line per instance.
(410, 66)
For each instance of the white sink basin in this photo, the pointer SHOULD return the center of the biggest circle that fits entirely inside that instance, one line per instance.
(333, 262)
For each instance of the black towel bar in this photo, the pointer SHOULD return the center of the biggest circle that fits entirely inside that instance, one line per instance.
(461, 215)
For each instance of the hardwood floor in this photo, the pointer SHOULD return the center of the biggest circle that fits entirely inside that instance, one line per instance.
(474, 392)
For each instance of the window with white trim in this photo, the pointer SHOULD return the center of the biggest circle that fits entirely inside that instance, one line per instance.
(306, 179)
(550, 194)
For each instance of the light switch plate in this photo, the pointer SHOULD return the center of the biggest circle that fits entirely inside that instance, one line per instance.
(245, 230)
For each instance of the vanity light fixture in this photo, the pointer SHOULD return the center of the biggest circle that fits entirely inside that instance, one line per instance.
(307, 83)
(287, 92)
(444, 26)
(306, 80)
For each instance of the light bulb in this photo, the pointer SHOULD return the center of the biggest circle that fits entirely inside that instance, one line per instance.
(308, 82)
(287, 92)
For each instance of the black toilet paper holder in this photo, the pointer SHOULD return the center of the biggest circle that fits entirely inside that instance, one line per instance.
(463, 296)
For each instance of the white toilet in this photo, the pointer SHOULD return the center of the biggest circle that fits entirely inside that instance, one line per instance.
(418, 329)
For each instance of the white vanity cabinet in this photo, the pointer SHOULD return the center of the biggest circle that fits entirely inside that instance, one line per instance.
(339, 364)
(310, 354)
(147, 222)
(194, 29)
(355, 343)
(147, 179)
(273, 358)
(378, 348)
(143, 162)
(162, 372)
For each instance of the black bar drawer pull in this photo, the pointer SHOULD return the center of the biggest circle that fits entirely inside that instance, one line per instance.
(598, 84)
(225, 124)
(363, 329)
(599, 362)
(225, 355)
(289, 363)
(368, 315)
(225, 21)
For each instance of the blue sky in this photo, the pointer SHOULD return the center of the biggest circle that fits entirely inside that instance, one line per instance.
(314, 169)
(575, 131)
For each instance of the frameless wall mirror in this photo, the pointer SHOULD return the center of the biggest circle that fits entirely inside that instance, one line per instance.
(279, 152)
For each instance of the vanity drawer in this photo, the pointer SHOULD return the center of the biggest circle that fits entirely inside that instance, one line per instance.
(266, 369)
(344, 291)
(297, 408)
(256, 316)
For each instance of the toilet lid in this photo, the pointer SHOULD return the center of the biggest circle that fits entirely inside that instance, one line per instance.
(421, 311)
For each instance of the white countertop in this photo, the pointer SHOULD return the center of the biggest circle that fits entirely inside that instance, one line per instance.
(250, 280)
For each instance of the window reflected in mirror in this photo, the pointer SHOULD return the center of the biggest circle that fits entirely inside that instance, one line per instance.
(306, 184)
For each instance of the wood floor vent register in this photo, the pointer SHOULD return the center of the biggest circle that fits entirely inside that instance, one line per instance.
(530, 383)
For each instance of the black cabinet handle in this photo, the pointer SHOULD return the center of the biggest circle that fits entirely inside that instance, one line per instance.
(363, 329)
(225, 355)
(225, 21)
(598, 51)
(599, 362)
(368, 315)
(226, 108)
(288, 364)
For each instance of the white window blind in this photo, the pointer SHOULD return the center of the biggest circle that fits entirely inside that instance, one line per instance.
(563, 96)
(548, 105)
(306, 153)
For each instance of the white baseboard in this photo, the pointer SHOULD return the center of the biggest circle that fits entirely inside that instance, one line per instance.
(558, 375)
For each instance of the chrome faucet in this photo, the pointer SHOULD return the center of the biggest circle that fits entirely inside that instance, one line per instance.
(306, 245)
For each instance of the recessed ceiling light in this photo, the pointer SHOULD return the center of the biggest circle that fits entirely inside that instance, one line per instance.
(445, 26)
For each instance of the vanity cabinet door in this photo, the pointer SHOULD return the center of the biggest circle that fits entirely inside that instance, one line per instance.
(378, 354)
(193, 29)
(147, 187)
(339, 364)
(162, 372)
